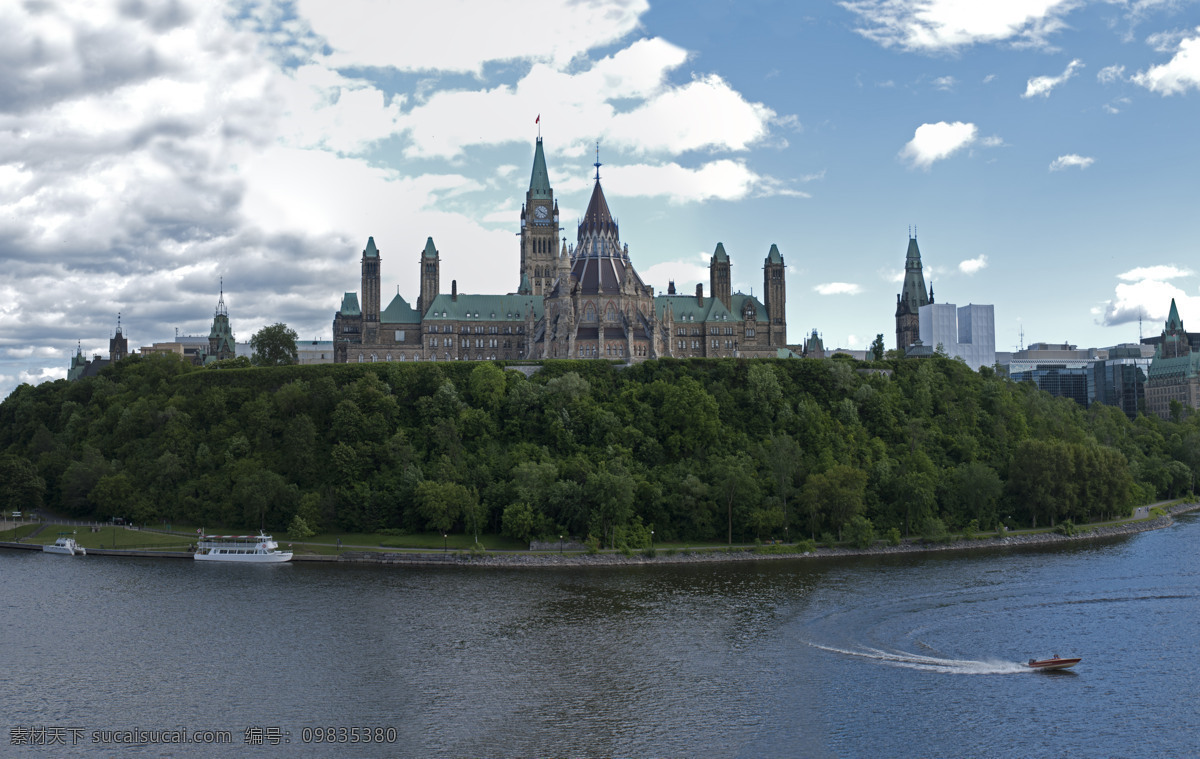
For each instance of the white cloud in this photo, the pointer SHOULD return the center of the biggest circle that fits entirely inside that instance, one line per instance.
(1176, 76)
(946, 25)
(945, 83)
(686, 274)
(973, 265)
(838, 288)
(1145, 293)
(1071, 160)
(717, 180)
(1110, 74)
(1159, 272)
(369, 33)
(933, 142)
(626, 94)
(1042, 85)
(995, 141)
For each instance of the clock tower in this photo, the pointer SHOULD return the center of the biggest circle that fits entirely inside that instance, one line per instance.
(539, 230)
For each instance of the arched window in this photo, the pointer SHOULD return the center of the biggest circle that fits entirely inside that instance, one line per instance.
(589, 314)
(610, 315)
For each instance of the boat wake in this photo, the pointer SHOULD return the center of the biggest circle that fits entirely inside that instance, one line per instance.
(930, 663)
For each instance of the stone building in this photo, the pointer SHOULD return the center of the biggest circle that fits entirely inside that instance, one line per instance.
(584, 300)
(1174, 373)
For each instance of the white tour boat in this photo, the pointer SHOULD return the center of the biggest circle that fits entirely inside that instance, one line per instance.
(66, 545)
(250, 549)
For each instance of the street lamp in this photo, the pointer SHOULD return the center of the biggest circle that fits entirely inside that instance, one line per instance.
(560, 544)
(445, 545)
(652, 538)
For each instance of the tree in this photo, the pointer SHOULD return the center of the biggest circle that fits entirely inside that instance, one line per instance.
(274, 346)
(877, 349)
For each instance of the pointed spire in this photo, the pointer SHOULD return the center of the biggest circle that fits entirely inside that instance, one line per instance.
(597, 164)
(221, 310)
(539, 180)
(774, 256)
(719, 255)
(430, 250)
(1174, 323)
(371, 251)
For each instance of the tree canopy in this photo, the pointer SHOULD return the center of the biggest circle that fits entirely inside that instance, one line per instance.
(703, 450)
(274, 345)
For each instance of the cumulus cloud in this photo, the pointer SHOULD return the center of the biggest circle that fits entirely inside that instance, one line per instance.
(972, 265)
(838, 288)
(945, 83)
(482, 32)
(1071, 161)
(1042, 85)
(1158, 272)
(716, 180)
(1145, 293)
(1179, 74)
(1110, 74)
(626, 94)
(933, 142)
(947, 25)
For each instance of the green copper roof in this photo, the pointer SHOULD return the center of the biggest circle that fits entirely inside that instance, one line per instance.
(399, 312)
(685, 308)
(719, 254)
(350, 305)
(1174, 323)
(539, 181)
(430, 250)
(484, 308)
(371, 251)
(525, 288)
(774, 257)
(913, 294)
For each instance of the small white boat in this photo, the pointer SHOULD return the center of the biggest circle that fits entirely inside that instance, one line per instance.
(65, 545)
(246, 549)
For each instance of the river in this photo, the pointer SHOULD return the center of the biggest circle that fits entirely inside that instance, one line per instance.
(913, 655)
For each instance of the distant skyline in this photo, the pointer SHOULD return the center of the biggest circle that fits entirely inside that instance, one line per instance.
(1045, 152)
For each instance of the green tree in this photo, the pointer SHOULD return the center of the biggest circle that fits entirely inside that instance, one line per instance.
(877, 348)
(274, 346)
(21, 489)
(860, 532)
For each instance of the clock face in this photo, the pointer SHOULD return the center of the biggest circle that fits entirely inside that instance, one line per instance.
(541, 212)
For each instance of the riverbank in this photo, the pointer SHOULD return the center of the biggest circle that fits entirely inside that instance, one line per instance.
(684, 555)
(719, 555)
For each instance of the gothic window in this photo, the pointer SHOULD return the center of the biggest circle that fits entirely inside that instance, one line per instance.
(610, 315)
(589, 315)
(388, 358)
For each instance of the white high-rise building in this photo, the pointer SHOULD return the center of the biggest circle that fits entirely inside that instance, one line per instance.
(968, 333)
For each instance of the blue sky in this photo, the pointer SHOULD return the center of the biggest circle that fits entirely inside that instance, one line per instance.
(1044, 150)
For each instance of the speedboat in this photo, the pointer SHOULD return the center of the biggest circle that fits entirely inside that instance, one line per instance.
(1053, 663)
(65, 545)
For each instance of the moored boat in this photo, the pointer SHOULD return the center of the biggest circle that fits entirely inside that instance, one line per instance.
(65, 545)
(247, 549)
(1053, 663)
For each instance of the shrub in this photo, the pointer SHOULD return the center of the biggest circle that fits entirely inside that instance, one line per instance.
(893, 536)
(593, 544)
(1065, 527)
(828, 540)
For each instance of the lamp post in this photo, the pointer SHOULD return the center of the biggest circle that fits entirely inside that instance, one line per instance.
(445, 545)
(560, 545)
(652, 538)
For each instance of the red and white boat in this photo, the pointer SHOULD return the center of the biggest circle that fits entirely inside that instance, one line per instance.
(1053, 663)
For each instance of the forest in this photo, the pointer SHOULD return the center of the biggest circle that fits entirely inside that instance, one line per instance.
(727, 450)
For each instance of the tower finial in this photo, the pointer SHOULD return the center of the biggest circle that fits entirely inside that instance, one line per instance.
(597, 164)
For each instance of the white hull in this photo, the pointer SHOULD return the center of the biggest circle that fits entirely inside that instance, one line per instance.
(67, 547)
(277, 557)
(241, 549)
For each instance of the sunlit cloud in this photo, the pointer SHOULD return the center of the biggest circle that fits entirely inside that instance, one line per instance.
(934, 142)
(1042, 85)
(838, 288)
(973, 265)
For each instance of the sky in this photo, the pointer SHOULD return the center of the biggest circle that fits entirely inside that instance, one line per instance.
(154, 152)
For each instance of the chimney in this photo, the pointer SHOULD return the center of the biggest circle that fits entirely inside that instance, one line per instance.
(700, 294)
(671, 287)
(454, 289)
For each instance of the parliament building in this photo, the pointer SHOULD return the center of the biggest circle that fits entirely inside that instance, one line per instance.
(573, 301)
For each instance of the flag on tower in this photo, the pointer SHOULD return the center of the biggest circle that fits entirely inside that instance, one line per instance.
(538, 120)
